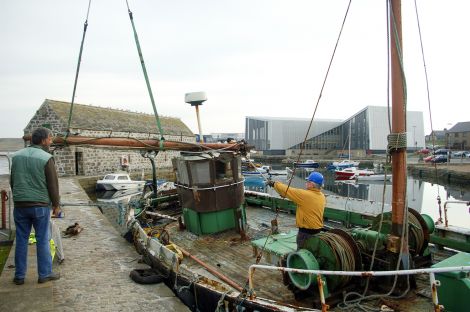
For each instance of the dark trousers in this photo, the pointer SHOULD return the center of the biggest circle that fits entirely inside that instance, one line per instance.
(305, 234)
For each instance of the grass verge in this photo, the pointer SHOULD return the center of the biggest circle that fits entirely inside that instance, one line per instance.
(4, 252)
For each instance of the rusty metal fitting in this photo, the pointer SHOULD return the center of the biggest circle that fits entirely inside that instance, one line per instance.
(393, 244)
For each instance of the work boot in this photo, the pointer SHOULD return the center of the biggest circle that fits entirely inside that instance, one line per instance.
(52, 277)
(18, 281)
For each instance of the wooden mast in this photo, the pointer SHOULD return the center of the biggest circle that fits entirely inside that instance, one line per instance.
(398, 122)
(150, 144)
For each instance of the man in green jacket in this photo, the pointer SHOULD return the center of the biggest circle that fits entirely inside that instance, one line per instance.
(35, 190)
(310, 205)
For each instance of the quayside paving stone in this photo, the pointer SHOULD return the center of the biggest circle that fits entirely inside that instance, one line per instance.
(94, 274)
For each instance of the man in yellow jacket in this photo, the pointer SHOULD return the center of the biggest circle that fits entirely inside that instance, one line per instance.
(310, 205)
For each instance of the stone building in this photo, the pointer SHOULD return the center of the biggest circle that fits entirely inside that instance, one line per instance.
(458, 137)
(92, 121)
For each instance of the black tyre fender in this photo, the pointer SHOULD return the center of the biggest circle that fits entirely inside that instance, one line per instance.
(146, 276)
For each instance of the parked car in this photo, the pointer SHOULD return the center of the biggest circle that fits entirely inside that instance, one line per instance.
(424, 151)
(439, 159)
(441, 151)
(429, 158)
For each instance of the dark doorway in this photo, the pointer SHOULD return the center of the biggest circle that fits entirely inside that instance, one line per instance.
(78, 163)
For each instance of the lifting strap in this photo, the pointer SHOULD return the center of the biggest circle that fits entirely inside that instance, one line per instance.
(146, 76)
(77, 71)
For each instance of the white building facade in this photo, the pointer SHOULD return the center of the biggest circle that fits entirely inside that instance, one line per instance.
(274, 135)
(366, 133)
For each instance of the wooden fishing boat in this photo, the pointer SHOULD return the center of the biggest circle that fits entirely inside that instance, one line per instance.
(218, 247)
(206, 253)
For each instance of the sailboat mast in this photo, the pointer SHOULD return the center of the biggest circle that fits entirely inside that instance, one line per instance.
(398, 119)
(349, 146)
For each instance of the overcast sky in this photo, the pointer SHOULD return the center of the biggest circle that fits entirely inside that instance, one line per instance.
(251, 57)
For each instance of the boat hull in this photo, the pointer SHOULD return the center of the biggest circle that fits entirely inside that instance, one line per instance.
(115, 186)
(203, 294)
(374, 177)
(307, 165)
(342, 175)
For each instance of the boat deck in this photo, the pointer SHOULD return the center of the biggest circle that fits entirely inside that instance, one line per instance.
(234, 261)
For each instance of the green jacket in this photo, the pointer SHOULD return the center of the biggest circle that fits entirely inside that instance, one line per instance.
(28, 175)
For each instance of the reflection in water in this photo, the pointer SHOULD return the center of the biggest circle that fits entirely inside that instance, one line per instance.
(422, 196)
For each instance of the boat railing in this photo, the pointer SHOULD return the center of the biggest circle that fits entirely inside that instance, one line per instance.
(431, 271)
(210, 187)
(446, 219)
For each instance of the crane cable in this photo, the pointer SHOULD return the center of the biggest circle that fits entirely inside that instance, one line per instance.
(85, 26)
(149, 88)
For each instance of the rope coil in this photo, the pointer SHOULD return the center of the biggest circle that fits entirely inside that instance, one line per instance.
(343, 253)
(396, 141)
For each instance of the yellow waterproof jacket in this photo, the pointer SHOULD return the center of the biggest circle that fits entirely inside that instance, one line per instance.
(310, 205)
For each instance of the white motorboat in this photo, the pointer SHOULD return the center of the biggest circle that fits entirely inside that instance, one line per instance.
(345, 163)
(118, 181)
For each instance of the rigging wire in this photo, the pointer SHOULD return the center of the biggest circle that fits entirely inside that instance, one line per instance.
(427, 92)
(259, 256)
(85, 26)
(388, 67)
(149, 88)
(302, 145)
(356, 303)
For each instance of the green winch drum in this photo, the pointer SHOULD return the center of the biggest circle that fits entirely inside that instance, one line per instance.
(305, 260)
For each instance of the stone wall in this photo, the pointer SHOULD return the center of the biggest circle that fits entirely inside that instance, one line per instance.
(95, 161)
(45, 116)
(91, 160)
(65, 160)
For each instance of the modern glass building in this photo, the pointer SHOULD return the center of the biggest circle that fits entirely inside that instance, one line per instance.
(274, 135)
(366, 132)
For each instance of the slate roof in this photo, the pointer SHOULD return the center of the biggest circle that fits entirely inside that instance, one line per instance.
(437, 133)
(461, 127)
(106, 119)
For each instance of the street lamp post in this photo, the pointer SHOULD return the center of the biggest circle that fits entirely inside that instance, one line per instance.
(414, 138)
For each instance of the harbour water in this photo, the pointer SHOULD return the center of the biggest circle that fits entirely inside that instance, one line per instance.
(4, 163)
(422, 196)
